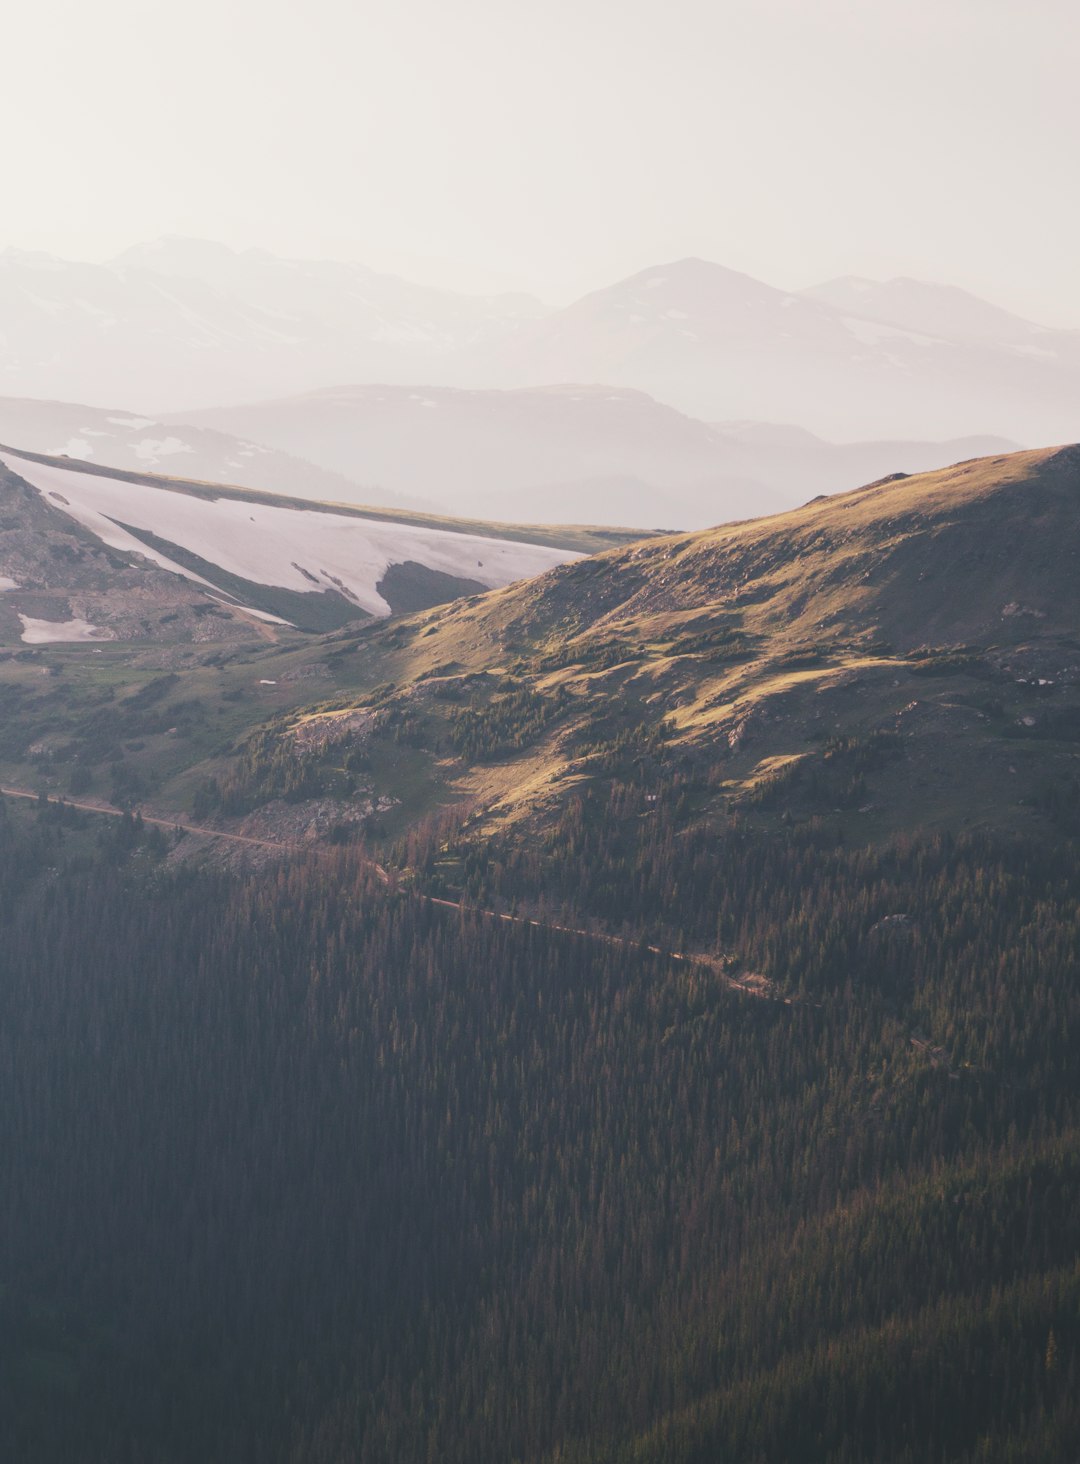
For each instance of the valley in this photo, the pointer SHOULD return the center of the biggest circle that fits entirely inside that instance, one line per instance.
(540, 734)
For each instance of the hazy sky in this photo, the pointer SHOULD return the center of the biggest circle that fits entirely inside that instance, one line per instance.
(557, 145)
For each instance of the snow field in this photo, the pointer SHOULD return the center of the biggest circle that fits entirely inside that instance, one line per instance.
(296, 549)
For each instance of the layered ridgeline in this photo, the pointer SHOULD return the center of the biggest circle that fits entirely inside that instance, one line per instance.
(692, 1079)
(182, 323)
(89, 553)
(598, 453)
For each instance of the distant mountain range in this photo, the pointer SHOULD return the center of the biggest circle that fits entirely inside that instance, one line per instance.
(852, 359)
(183, 323)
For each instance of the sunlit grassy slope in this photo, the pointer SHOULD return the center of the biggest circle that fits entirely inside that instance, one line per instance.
(936, 619)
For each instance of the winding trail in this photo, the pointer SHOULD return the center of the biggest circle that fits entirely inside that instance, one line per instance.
(747, 985)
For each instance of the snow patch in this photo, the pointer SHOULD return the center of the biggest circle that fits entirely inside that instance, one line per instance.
(135, 423)
(48, 632)
(7, 583)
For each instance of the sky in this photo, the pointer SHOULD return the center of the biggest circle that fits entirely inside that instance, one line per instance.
(558, 146)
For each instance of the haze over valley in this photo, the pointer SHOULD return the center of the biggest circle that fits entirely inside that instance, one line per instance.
(684, 396)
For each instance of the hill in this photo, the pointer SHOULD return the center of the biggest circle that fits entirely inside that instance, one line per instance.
(904, 655)
(604, 454)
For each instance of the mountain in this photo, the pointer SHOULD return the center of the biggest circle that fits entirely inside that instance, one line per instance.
(567, 453)
(348, 303)
(115, 438)
(932, 617)
(721, 345)
(180, 323)
(943, 311)
(184, 321)
(624, 1017)
(93, 554)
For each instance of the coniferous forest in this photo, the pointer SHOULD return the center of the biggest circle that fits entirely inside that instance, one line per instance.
(302, 1166)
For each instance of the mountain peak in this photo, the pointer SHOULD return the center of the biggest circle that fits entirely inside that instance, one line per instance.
(694, 271)
(181, 254)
